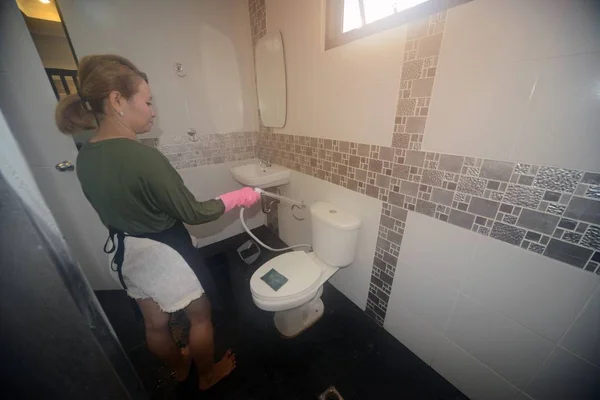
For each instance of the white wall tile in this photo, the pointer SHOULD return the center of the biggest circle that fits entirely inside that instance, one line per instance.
(564, 108)
(565, 376)
(423, 295)
(508, 348)
(470, 104)
(542, 294)
(527, 93)
(418, 336)
(576, 28)
(346, 93)
(470, 376)
(352, 281)
(539, 29)
(583, 338)
(437, 247)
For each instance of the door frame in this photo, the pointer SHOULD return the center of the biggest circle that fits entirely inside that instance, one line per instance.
(28, 103)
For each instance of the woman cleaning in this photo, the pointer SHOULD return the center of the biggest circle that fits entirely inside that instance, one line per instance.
(143, 202)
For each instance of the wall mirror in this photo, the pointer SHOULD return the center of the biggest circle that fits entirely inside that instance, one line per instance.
(271, 80)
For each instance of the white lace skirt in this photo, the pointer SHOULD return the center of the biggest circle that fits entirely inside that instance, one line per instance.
(154, 270)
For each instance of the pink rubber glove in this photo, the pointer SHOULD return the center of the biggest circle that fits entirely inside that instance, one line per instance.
(239, 198)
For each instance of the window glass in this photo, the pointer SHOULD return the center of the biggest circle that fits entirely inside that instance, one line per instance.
(352, 19)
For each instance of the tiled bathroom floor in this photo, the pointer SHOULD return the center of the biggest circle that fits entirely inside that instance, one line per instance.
(344, 349)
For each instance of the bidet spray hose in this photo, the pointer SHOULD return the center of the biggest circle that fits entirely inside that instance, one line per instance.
(260, 191)
(278, 197)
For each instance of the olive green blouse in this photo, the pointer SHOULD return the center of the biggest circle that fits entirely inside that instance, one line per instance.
(135, 189)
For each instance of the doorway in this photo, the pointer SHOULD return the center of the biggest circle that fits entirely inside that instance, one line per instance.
(53, 45)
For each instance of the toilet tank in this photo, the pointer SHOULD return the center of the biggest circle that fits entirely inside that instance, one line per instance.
(334, 234)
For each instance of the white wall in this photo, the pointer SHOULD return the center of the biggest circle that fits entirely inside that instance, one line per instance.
(347, 93)
(519, 81)
(16, 172)
(210, 38)
(493, 311)
(352, 281)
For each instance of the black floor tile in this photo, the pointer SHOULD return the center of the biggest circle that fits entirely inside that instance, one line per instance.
(124, 317)
(154, 374)
(344, 348)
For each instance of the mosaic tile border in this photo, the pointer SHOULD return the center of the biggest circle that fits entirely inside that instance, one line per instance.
(215, 148)
(482, 195)
(419, 68)
(258, 19)
(544, 209)
(551, 211)
(421, 52)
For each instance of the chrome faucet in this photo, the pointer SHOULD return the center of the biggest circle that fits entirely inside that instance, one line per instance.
(266, 163)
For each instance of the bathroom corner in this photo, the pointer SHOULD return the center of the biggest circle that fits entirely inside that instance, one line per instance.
(469, 202)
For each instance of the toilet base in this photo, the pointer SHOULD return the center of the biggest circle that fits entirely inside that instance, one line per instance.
(292, 322)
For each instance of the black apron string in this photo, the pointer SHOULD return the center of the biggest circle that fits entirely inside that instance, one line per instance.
(110, 239)
(119, 254)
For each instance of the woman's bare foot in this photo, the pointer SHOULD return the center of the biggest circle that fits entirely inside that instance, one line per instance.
(183, 371)
(220, 370)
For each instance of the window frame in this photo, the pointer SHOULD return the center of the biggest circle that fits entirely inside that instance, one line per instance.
(334, 20)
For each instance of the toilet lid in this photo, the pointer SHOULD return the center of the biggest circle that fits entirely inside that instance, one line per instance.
(299, 269)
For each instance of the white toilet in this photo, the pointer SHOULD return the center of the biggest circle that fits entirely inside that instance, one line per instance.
(297, 302)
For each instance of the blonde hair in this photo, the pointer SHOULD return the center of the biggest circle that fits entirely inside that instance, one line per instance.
(99, 75)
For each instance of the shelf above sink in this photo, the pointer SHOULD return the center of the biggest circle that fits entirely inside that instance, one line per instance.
(261, 176)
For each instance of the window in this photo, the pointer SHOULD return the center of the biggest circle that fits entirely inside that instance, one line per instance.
(349, 20)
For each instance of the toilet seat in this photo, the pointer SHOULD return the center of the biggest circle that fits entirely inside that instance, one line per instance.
(303, 275)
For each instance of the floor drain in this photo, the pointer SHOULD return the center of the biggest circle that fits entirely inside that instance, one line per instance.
(331, 394)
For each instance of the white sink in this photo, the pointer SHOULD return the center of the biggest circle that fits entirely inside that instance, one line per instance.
(258, 175)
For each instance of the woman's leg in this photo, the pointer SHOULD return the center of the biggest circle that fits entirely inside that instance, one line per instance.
(160, 340)
(202, 345)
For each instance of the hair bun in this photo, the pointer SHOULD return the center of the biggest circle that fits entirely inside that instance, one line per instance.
(99, 75)
(73, 116)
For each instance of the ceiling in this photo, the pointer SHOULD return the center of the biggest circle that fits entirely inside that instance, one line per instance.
(37, 9)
